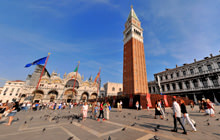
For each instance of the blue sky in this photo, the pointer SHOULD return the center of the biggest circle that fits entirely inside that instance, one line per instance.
(91, 31)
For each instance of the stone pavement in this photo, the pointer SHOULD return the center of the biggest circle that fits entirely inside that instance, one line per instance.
(138, 125)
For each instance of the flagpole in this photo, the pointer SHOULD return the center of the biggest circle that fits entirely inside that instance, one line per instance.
(42, 71)
(76, 76)
(41, 75)
(99, 81)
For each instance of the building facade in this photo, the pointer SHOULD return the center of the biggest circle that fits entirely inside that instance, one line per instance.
(53, 88)
(12, 91)
(134, 67)
(113, 89)
(196, 80)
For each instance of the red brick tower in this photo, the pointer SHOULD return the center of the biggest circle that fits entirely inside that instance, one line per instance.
(134, 67)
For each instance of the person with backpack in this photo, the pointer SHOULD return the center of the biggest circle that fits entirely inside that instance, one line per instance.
(12, 112)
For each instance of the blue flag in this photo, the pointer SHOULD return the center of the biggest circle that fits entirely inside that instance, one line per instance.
(37, 62)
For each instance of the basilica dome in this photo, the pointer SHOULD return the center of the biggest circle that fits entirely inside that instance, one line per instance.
(73, 74)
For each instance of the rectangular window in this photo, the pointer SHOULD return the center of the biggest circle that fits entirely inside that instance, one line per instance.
(168, 87)
(180, 85)
(162, 87)
(218, 64)
(184, 73)
(177, 74)
(204, 82)
(209, 67)
(171, 75)
(18, 90)
(149, 89)
(12, 89)
(174, 86)
(6, 90)
(214, 80)
(191, 71)
(200, 69)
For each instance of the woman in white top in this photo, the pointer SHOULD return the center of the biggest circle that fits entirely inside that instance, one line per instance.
(85, 110)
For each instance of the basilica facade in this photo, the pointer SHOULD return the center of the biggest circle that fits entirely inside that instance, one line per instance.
(53, 88)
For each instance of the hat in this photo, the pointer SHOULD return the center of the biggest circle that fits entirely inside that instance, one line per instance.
(203, 98)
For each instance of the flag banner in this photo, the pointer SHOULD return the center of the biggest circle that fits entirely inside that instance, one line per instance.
(96, 78)
(148, 100)
(76, 69)
(131, 100)
(37, 62)
(165, 100)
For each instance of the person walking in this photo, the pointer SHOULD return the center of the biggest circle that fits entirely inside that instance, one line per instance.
(107, 110)
(121, 105)
(12, 113)
(101, 112)
(200, 106)
(96, 108)
(192, 105)
(158, 110)
(137, 105)
(85, 110)
(210, 109)
(186, 115)
(177, 116)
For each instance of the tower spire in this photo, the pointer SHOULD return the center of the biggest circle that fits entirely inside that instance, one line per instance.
(132, 14)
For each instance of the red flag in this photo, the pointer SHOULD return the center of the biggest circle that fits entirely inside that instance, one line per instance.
(148, 100)
(165, 100)
(96, 78)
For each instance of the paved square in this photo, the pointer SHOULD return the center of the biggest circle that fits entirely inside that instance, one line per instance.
(142, 129)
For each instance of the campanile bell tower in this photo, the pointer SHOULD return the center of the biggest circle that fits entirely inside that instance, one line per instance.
(134, 67)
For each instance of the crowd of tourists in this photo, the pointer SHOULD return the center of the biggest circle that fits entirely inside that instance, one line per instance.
(101, 110)
(180, 111)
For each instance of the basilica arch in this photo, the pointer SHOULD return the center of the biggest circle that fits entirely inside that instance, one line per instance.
(85, 96)
(70, 83)
(53, 94)
(94, 96)
(70, 95)
(38, 95)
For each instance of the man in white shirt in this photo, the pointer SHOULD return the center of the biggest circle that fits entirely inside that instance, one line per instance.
(177, 116)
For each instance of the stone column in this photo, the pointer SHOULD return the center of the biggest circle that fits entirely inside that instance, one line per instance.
(165, 87)
(177, 86)
(200, 83)
(218, 79)
(191, 84)
(171, 87)
(184, 85)
(209, 82)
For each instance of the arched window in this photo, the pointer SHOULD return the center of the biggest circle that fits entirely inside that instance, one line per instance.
(113, 89)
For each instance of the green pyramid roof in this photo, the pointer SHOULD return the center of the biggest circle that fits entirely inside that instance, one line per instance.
(132, 14)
